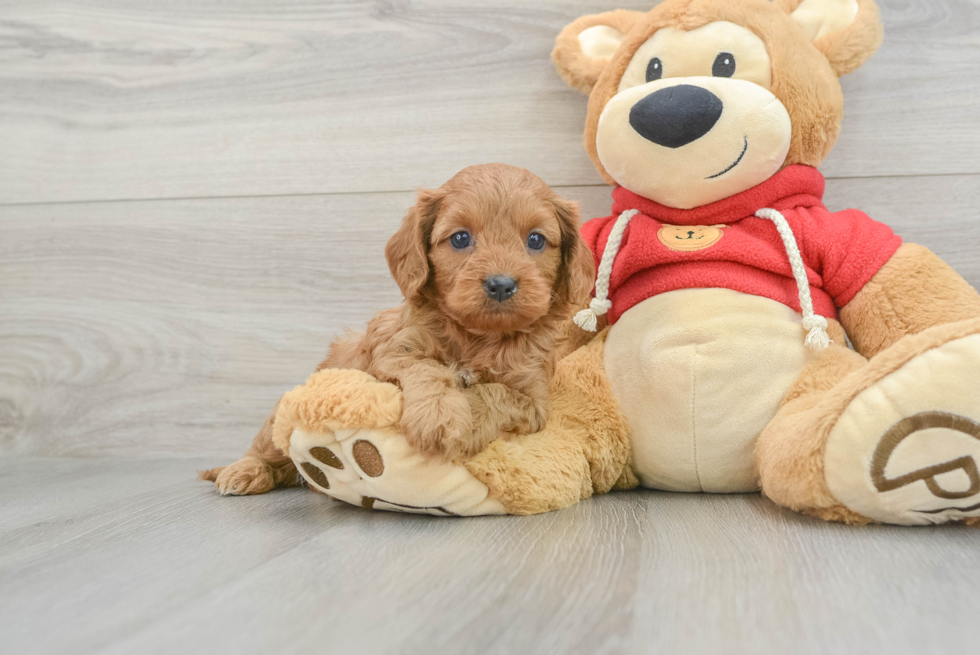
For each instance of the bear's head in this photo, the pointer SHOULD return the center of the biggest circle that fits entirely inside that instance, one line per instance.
(697, 100)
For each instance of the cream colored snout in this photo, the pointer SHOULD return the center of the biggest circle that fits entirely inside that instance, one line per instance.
(689, 141)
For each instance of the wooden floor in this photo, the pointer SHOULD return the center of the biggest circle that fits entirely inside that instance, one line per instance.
(194, 197)
(117, 556)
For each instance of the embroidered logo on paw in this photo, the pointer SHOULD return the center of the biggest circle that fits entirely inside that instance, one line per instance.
(689, 238)
(906, 449)
(955, 479)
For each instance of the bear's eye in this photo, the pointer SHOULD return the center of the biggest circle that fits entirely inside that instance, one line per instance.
(655, 69)
(460, 240)
(536, 241)
(724, 65)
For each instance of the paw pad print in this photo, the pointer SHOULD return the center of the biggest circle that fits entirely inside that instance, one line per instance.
(349, 451)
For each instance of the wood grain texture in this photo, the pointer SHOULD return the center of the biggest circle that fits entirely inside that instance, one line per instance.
(111, 99)
(136, 330)
(171, 328)
(137, 557)
(145, 327)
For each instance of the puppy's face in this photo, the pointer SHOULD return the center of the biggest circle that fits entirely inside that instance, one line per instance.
(495, 257)
(502, 250)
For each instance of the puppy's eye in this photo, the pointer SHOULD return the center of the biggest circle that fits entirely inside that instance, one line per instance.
(655, 69)
(724, 65)
(536, 241)
(460, 240)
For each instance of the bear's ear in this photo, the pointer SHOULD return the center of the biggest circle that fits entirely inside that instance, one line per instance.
(847, 32)
(584, 48)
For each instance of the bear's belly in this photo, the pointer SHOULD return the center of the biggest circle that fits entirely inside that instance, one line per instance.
(699, 373)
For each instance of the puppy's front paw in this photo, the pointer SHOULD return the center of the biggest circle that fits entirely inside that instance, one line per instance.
(528, 421)
(440, 424)
(535, 422)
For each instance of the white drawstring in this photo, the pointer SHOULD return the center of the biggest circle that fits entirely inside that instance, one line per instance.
(588, 319)
(815, 324)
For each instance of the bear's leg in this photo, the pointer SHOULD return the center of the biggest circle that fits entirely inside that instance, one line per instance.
(584, 448)
(894, 439)
(789, 452)
(342, 429)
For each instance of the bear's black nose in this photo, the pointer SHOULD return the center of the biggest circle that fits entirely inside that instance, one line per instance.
(500, 287)
(675, 116)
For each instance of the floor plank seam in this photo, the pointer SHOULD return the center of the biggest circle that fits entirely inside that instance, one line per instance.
(332, 194)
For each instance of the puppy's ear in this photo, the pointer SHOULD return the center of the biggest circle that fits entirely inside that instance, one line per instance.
(847, 32)
(577, 275)
(584, 47)
(407, 251)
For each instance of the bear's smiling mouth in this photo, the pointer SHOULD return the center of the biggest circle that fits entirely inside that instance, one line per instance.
(744, 150)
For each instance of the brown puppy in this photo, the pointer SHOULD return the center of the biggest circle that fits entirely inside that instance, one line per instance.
(490, 264)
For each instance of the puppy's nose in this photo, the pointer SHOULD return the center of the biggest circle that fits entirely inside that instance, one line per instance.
(676, 116)
(500, 287)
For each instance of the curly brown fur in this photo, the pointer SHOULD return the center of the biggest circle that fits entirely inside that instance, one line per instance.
(262, 468)
(470, 367)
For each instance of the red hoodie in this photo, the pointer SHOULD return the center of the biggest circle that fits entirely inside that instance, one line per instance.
(841, 250)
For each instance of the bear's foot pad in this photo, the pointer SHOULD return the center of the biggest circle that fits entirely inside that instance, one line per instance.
(375, 468)
(906, 449)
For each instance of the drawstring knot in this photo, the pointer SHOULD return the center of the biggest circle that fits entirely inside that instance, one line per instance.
(588, 319)
(814, 324)
(816, 327)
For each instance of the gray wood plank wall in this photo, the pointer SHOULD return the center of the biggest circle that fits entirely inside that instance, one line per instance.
(195, 197)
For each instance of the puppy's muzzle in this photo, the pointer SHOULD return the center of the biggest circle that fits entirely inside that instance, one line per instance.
(500, 287)
(676, 116)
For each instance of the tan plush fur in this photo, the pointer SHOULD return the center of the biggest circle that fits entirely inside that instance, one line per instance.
(332, 402)
(579, 71)
(913, 304)
(583, 450)
(789, 453)
(914, 290)
(804, 75)
(846, 49)
(469, 366)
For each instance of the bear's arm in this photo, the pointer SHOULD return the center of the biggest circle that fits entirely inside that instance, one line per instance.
(848, 248)
(914, 290)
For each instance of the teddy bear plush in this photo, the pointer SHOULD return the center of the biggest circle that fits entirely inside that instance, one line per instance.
(742, 336)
